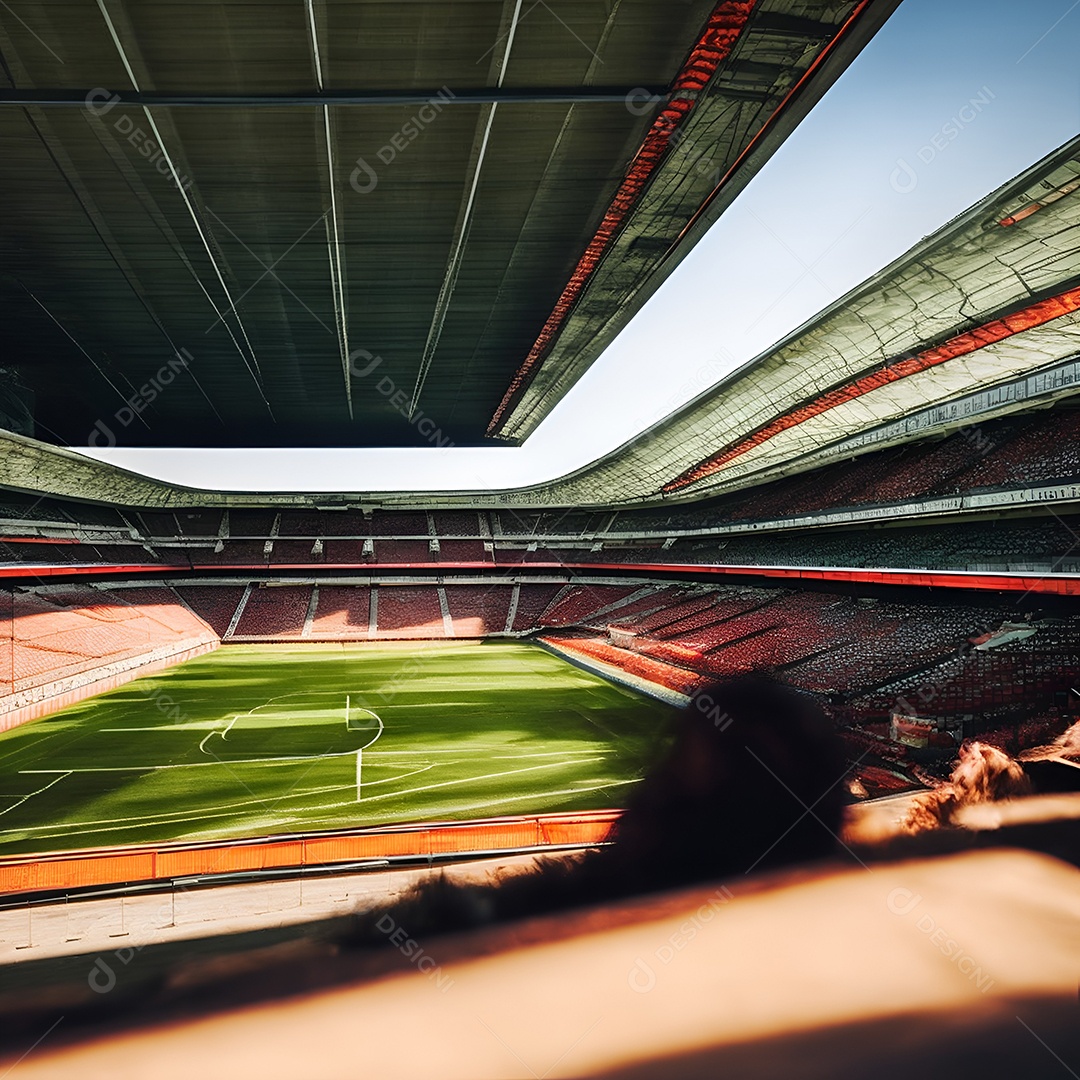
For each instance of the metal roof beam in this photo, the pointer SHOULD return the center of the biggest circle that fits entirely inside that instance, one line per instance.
(98, 97)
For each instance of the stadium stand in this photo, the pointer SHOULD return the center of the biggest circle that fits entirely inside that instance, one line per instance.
(692, 601)
(509, 556)
(344, 552)
(1013, 451)
(274, 611)
(642, 667)
(65, 642)
(402, 551)
(234, 553)
(214, 604)
(865, 658)
(124, 554)
(655, 599)
(478, 610)
(295, 551)
(252, 523)
(721, 607)
(533, 601)
(580, 602)
(454, 523)
(157, 524)
(342, 612)
(1037, 452)
(409, 611)
(49, 554)
(452, 551)
(399, 523)
(327, 538)
(303, 524)
(1002, 545)
(199, 522)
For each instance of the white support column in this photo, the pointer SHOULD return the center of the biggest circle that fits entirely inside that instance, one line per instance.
(373, 612)
(309, 618)
(235, 620)
(444, 607)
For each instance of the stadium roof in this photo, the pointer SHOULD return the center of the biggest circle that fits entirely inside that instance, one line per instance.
(982, 317)
(310, 218)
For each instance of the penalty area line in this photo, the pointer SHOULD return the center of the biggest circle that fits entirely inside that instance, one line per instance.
(25, 798)
(217, 763)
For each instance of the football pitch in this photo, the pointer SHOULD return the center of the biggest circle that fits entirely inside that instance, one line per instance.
(258, 739)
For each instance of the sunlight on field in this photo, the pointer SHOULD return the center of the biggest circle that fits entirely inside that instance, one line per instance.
(264, 738)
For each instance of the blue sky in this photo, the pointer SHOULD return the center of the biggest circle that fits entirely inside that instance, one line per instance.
(874, 167)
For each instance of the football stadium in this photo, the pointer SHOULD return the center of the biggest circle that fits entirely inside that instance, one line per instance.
(539, 539)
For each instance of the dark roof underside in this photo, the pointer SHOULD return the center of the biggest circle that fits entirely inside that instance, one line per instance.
(282, 256)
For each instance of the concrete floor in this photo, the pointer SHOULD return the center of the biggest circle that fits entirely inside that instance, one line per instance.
(67, 928)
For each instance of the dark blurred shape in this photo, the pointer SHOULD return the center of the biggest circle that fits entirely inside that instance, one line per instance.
(16, 404)
(733, 792)
(753, 781)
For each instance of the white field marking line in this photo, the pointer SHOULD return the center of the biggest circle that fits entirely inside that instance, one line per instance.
(217, 731)
(196, 814)
(122, 706)
(401, 776)
(426, 704)
(301, 816)
(33, 793)
(479, 749)
(194, 725)
(595, 723)
(312, 757)
(173, 817)
(80, 828)
(382, 728)
(283, 697)
(360, 749)
(410, 815)
(331, 806)
(176, 816)
(477, 779)
(218, 762)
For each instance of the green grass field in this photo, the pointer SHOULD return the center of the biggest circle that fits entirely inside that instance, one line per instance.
(253, 739)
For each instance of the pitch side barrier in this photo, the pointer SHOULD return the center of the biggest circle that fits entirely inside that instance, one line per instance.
(62, 871)
(1054, 584)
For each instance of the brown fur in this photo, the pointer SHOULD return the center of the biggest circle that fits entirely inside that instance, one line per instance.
(982, 774)
(1068, 745)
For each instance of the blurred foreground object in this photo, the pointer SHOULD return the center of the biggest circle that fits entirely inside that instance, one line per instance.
(965, 965)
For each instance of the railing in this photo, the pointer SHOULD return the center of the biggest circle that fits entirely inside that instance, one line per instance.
(59, 871)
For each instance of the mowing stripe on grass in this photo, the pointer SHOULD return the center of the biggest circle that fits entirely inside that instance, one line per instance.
(470, 727)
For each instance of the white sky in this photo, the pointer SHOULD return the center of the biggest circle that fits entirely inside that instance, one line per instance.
(821, 217)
